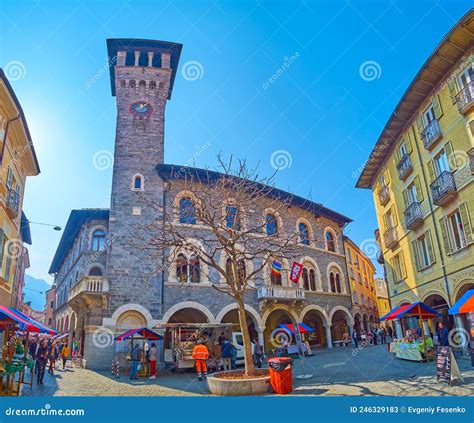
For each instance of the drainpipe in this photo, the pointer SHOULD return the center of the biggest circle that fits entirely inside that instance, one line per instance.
(438, 242)
(5, 135)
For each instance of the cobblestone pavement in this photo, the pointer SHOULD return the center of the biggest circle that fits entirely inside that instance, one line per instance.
(370, 371)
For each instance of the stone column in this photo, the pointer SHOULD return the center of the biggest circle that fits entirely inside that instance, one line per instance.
(150, 59)
(398, 329)
(261, 338)
(137, 57)
(328, 335)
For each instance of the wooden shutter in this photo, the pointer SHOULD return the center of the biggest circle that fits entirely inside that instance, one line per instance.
(415, 253)
(387, 176)
(429, 245)
(2, 247)
(405, 198)
(448, 147)
(402, 265)
(419, 124)
(453, 89)
(419, 191)
(9, 178)
(438, 111)
(408, 144)
(445, 235)
(431, 170)
(466, 223)
(394, 216)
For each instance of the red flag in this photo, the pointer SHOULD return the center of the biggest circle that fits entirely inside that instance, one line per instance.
(296, 270)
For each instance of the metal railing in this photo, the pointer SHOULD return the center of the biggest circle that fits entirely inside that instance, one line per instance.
(384, 195)
(89, 284)
(390, 237)
(443, 188)
(465, 97)
(404, 167)
(431, 134)
(413, 215)
(13, 202)
(280, 293)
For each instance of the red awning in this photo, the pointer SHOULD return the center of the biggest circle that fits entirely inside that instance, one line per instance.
(301, 326)
(26, 323)
(142, 332)
(418, 310)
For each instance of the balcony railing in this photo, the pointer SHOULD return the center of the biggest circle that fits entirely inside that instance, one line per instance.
(89, 285)
(465, 98)
(380, 258)
(413, 216)
(13, 203)
(431, 134)
(384, 195)
(279, 293)
(391, 237)
(443, 189)
(404, 167)
(470, 153)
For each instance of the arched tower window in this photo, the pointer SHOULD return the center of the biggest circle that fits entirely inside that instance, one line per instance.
(98, 240)
(271, 224)
(187, 211)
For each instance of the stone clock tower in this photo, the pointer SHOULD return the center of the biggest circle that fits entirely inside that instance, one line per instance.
(142, 74)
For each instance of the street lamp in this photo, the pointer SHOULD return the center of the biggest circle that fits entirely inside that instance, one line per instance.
(55, 227)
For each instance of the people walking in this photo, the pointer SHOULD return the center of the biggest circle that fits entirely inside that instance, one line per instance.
(200, 355)
(356, 337)
(41, 359)
(443, 335)
(390, 333)
(65, 355)
(51, 352)
(135, 355)
(257, 353)
(226, 353)
(153, 356)
(346, 339)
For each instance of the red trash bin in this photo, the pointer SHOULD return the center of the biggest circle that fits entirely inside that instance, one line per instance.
(281, 374)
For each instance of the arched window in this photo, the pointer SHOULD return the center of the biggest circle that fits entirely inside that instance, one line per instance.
(182, 268)
(188, 270)
(98, 240)
(137, 182)
(312, 279)
(194, 270)
(187, 211)
(304, 233)
(332, 282)
(271, 224)
(330, 241)
(305, 276)
(356, 300)
(338, 283)
(96, 271)
(232, 218)
(241, 270)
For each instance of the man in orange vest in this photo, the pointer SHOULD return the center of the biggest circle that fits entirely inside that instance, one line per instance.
(200, 355)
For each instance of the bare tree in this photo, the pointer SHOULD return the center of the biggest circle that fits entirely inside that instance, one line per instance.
(229, 208)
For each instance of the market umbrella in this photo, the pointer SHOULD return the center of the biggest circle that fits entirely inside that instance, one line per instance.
(418, 310)
(465, 304)
(303, 328)
(143, 332)
(9, 316)
(392, 311)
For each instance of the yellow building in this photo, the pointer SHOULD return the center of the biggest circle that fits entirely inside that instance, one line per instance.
(17, 160)
(421, 174)
(381, 292)
(361, 281)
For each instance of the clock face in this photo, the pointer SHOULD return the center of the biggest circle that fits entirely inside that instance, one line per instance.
(141, 109)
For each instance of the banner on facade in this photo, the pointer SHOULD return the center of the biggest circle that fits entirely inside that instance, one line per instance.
(296, 270)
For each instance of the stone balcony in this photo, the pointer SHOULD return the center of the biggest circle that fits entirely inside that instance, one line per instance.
(413, 216)
(89, 291)
(404, 167)
(384, 195)
(443, 189)
(431, 134)
(280, 293)
(390, 238)
(465, 99)
(12, 203)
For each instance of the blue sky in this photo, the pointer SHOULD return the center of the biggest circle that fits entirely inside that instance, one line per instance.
(321, 109)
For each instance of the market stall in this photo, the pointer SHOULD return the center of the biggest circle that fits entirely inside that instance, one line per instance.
(304, 330)
(464, 309)
(181, 338)
(412, 346)
(16, 327)
(142, 335)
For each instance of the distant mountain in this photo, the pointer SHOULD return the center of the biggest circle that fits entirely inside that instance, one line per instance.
(35, 291)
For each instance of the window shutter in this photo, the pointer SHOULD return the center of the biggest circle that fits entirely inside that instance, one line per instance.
(453, 89)
(391, 271)
(419, 191)
(445, 235)
(438, 111)
(415, 253)
(394, 216)
(402, 266)
(405, 198)
(408, 144)
(387, 176)
(396, 158)
(384, 223)
(419, 124)
(431, 170)
(9, 178)
(429, 244)
(466, 222)
(2, 247)
(448, 147)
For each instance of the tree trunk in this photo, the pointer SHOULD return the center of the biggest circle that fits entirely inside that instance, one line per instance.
(249, 366)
